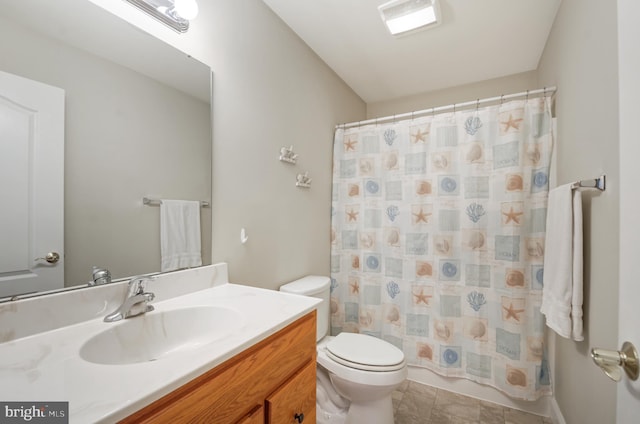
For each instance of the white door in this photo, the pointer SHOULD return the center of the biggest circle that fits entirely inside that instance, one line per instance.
(628, 408)
(31, 185)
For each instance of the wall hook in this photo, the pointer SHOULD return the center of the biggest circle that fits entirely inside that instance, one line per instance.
(243, 236)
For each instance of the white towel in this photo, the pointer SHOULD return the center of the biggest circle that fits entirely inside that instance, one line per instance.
(562, 292)
(179, 234)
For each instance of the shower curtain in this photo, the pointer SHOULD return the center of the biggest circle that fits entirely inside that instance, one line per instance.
(437, 240)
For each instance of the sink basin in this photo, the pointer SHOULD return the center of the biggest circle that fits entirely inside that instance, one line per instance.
(156, 335)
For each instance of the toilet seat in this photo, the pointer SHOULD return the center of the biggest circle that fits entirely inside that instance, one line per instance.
(364, 352)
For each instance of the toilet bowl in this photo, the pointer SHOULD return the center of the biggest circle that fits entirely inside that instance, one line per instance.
(363, 370)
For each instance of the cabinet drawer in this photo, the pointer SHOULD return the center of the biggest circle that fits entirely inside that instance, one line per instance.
(295, 401)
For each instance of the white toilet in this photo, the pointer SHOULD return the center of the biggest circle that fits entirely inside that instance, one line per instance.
(363, 369)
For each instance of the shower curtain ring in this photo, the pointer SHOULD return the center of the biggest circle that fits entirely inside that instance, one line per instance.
(526, 98)
(501, 99)
(477, 104)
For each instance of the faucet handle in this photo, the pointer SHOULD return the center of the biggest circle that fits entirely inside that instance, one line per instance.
(136, 284)
(100, 276)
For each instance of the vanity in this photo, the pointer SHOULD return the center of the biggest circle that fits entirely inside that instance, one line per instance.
(274, 379)
(219, 353)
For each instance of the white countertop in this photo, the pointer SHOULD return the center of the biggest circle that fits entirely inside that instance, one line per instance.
(48, 367)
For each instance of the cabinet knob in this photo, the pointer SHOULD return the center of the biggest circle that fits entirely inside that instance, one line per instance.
(299, 417)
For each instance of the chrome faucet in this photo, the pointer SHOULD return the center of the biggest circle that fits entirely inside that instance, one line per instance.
(100, 276)
(135, 301)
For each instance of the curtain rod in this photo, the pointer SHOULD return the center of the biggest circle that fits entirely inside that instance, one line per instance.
(454, 106)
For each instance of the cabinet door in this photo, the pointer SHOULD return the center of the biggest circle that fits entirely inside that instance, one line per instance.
(295, 401)
(255, 417)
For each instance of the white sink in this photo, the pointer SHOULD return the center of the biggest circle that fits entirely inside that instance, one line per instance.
(159, 334)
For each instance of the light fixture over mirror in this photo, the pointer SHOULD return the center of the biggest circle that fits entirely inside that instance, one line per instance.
(173, 13)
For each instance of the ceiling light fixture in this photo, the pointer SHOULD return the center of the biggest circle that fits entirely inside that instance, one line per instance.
(173, 13)
(403, 16)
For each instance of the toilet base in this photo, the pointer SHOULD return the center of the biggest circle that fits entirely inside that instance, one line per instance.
(331, 408)
(325, 417)
(369, 404)
(376, 411)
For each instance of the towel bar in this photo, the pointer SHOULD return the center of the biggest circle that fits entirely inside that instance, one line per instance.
(598, 183)
(157, 202)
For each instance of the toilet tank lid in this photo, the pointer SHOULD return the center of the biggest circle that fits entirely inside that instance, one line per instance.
(311, 284)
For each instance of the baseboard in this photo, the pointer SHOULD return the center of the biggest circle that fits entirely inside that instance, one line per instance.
(556, 413)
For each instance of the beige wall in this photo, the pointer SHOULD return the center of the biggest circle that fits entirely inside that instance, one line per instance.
(126, 136)
(581, 59)
(463, 93)
(271, 90)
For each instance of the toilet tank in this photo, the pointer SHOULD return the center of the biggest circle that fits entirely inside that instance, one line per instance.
(314, 286)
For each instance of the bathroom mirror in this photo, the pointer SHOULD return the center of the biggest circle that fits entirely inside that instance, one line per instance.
(137, 122)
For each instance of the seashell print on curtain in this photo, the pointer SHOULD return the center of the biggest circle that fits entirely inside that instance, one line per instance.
(438, 228)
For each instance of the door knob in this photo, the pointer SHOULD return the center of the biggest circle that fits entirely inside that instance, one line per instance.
(52, 258)
(612, 360)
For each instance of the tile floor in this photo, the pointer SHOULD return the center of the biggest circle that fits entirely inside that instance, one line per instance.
(415, 403)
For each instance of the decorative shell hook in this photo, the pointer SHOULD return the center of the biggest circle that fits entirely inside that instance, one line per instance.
(287, 155)
(303, 180)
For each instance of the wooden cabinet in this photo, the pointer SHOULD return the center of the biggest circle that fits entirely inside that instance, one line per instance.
(269, 382)
(254, 417)
(294, 401)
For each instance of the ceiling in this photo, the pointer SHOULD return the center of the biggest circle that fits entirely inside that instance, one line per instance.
(477, 40)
